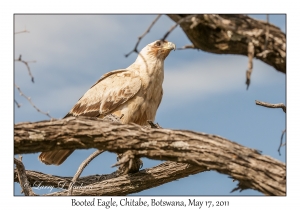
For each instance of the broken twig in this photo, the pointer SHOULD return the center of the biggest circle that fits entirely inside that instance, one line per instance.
(265, 104)
(250, 63)
(281, 145)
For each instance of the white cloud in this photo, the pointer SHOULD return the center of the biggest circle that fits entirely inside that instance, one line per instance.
(53, 37)
(216, 75)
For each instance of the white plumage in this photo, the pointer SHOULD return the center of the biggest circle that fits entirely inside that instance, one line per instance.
(134, 92)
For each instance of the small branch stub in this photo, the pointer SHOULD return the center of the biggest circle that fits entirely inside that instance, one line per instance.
(265, 104)
(250, 63)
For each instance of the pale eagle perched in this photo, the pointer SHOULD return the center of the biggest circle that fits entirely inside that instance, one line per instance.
(134, 92)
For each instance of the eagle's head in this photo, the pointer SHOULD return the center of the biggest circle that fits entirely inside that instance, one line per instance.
(159, 49)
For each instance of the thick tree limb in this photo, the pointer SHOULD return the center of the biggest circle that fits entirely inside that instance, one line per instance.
(230, 34)
(252, 169)
(111, 184)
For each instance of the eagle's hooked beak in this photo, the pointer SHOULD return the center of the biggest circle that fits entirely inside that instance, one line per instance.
(171, 46)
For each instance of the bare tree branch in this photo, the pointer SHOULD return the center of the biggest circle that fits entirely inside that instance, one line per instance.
(230, 34)
(81, 168)
(111, 184)
(142, 36)
(187, 47)
(148, 30)
(254, 170)
(283, 107)
(26, 64)
(177, 23)
(152, 125)
(281, 138)
(29, 99)
(22, 178)
(265, 104)
(267, 32)
(24, 31)
(18, 105)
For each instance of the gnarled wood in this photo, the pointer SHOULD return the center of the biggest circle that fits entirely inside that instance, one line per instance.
(112, 184)
(212, 152)
(20, 174)
(230, 34)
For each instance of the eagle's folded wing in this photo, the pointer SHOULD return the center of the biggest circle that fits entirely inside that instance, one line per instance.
(109, 92)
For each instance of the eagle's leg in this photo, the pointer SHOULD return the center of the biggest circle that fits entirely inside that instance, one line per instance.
(132, 165)
(128, 163)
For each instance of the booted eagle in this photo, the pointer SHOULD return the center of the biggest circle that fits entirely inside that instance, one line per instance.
(134, 93)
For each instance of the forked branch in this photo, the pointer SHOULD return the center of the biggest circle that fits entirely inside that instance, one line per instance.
(27, 66)
(283, 107)
(142, 36)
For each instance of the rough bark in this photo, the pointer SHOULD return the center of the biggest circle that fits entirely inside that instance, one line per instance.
(230, 34)
(111, 184)
(20, 175)
(212, 152)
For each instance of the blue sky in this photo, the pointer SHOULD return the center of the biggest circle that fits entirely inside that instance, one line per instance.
(73, 51)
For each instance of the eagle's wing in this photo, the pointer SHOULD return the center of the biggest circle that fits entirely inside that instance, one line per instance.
(109, 92)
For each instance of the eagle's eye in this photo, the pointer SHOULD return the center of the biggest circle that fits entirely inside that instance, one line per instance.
(158, 43)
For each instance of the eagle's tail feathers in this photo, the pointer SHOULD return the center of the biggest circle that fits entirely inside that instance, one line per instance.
(55, 157)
